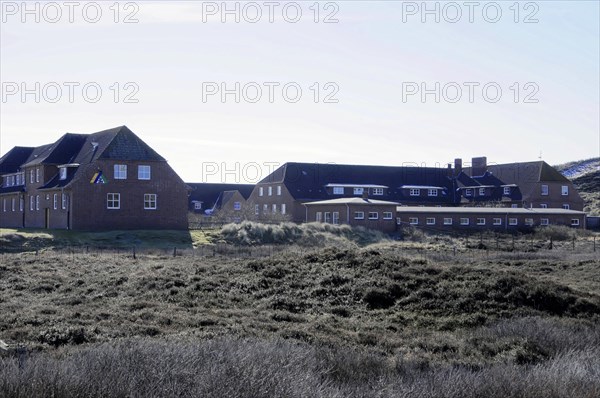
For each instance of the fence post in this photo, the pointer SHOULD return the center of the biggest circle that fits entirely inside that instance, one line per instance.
(594, 244)
(134, 257)
(573, 244)
(551, 244)
(175, 251)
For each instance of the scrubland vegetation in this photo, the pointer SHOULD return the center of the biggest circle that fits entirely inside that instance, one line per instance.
(338, 316)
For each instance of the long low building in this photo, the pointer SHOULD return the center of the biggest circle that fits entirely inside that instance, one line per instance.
(487, 217)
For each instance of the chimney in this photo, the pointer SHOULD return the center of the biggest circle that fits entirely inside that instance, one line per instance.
(478, 166)
(457, 166)
(449, 170)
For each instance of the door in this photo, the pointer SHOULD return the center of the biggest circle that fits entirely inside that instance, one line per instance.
(47, 219)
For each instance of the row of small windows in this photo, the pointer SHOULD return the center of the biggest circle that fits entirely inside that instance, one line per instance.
(464, 221)
(261, 191)
(282, 208)
(34, 202)
(14, 180)
(358, 191)
(113, 201)
(564, 190)
(120, 172)
(328, 217)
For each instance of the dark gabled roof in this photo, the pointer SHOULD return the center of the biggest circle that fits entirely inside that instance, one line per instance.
(62, 151)
(125, 145)
(12, 160)
(215, 194)
(307, 181)
(13, 189)
(523, 173)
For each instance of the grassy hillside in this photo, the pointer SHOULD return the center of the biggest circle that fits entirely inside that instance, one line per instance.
(588, 186)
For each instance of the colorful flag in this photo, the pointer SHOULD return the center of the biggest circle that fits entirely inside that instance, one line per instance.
(98, 178)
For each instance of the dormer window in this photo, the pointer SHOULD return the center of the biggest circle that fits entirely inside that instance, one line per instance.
(358, 191)
(338, 190)
(432, 192)
(481, 191)
(468, 192)
(507, 191)
(415, 192)
(377, 191)
(62, 173)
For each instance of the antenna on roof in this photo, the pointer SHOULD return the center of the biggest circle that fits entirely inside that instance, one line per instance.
(540, 157)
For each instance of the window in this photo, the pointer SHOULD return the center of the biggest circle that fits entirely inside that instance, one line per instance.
(430, 221)
(387, 215)
(270, 190)
(149, 201)
(378, 191)
(481, 191)
(468, 192)
(447, 221)
(62, 172)
(237, 206)
(12, 204)
(464, 221)
(260, 191)
(564, 190)
(21, 203)
(544, 221)
(358, 191)
(373, 215)
(143, 172)
(338, 190)
(31, 177)
(37, 174)
(197, 205)
(432, 192)
(575, 222)
(359, 215)
(481, 221)
(31, 202)
(413, 221)
(514, 206)
(327, 217)
(319, 216)
(265, 208)
(64, 200)
(55, 201)
(283, 208)
(278, 190)
(545, 190)
(415, 192)
(566, 206)
(506, 191)
(120, 171)
(497, 221)
(3, 204)
(512, 221)
(336, 217)
(113, 201)
(37, 202)
(256, 210)
(274, 208)
(543, 205)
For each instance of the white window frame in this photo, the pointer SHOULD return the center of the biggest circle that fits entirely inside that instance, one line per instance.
(62, 173)
(283, 209)
(197, 205)
(468, 192)
(274, 208)
(55, 201)
(543, 206)
(359, 215)
(144, 172)
(150, 201)
(378, 191)
(64, 200)
(4, 205)
(373, 215)
(237, 205)
(513, 221)
(413, 220)
(465, 221)
(414, 192)
(564, 190)
(338, 190)
(481, 191)
(575, 222)
(544, 221)
(506, 191)
(265, 208)
(566, 206)
(319, 216)
(432, 192)
(335, 219)
(31, 203)
(430, 221)
(358, 191)
(37, 174)
(270, 190)
(497, 221)
(256, 210)
(388, 215)
(545, 190)
(31, 176)
(111, 199)
(37, 202)
(327, 217)
(261, 191)
(13, 204)
(480, 221)
(447, 220)
(21, 203)
(514, 206)
(120, 171)
(278, 190)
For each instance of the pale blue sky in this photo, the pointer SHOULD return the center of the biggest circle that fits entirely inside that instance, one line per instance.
(369, 54)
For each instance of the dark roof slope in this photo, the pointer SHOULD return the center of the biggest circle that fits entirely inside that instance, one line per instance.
(62, 151)
(125, 145)
(12, 160)
(211, 194)
(308, 180)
